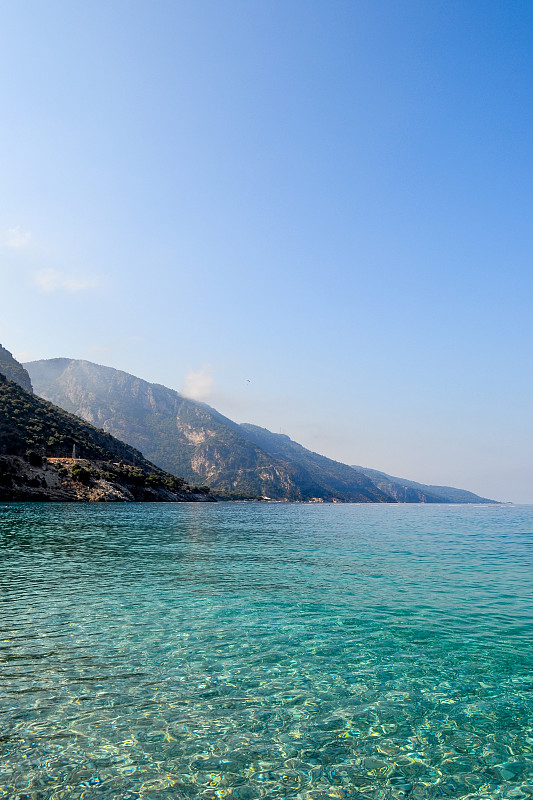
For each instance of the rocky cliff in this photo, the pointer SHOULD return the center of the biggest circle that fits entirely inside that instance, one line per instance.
(13, 370)
(48, 454)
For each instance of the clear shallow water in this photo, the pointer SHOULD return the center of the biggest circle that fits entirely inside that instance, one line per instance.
(246, 651)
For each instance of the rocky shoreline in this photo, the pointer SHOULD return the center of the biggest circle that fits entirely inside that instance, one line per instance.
(81, 480)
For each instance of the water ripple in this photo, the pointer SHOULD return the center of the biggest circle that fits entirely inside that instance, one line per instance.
(250, 651)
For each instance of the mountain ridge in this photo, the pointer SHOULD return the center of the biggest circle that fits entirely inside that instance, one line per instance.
(183, 436)
(402, 487)
(192, 439)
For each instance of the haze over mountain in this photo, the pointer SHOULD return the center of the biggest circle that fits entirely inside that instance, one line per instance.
(190, 439)
(406, 491)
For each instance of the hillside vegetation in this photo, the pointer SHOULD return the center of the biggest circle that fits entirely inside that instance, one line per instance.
(37, 445)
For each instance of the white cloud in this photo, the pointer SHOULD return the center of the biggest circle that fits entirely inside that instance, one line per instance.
(198, 385)
(51, 280)
(16, 237)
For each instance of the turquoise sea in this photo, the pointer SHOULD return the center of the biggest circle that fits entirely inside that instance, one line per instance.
(276, 651)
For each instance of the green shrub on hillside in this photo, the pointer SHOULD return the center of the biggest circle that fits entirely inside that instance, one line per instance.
(35, 430)
(81, 474)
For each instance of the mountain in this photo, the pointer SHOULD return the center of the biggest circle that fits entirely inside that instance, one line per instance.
(188, 438)
(411, 492)
(195, 441)
(183, 437)
(48, 454)
(334, 478)
(13, 370)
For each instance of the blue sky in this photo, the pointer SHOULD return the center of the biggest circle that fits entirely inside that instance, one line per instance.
(329, 199)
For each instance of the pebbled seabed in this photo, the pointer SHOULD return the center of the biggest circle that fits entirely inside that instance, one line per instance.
(273, 651)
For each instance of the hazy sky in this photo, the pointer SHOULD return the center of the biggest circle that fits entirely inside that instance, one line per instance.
(332, 200)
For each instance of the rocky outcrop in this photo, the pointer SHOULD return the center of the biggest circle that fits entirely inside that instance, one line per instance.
(67, 479)
(13, 370)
